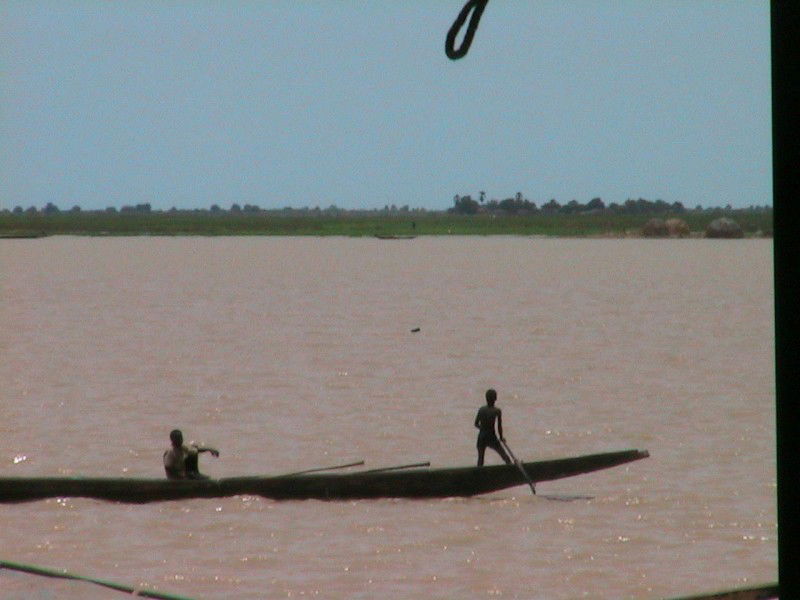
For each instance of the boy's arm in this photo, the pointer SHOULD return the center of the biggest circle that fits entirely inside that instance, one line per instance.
(500, 425)
(214, 451)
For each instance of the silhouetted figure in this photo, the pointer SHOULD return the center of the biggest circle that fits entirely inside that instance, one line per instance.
(485, 421)
(181, 460)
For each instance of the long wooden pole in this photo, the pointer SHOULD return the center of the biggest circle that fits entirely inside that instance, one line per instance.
(411, 466)
(353, 464)
(519, 466)
(34, 570)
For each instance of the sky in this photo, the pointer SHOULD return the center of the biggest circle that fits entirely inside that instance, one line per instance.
(190, 103)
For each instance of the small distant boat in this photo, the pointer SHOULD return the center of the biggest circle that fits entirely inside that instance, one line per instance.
(12, 235)
(377, 483)
(394, 237)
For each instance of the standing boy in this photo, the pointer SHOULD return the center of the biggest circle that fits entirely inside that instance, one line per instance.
(487, 416)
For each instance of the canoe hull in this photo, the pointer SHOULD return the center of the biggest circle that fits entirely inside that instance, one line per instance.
(412, 483)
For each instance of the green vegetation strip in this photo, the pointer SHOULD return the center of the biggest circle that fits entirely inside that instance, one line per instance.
(360, 224)
(34, 570)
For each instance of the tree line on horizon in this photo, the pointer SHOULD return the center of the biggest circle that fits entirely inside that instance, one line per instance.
(519, 205)
(462, 205)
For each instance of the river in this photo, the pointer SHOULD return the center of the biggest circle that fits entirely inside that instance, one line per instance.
(292, 353)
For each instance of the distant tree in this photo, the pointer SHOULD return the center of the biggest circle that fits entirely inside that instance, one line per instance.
(143, 207)
(465, 205)
(551, 206)
(51, 209)
(75, 209)
(678, 207)
(661, 206)
(31, 210)
(482, 196)
(508, 205)
(644, 206)
(595, 204)
(215, 209)
(111, 209)
(235, 208)
(630, 207)
(17, 210)
(571, 207)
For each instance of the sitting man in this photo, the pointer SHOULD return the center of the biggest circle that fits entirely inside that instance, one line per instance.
(180, 461)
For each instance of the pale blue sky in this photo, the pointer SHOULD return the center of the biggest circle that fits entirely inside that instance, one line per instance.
(306, 103)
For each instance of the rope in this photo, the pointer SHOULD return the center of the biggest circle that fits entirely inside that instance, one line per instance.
(474, 6)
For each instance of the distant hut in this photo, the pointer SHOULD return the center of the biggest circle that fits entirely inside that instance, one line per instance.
(724, 228)
(677, 228)
(655, 228)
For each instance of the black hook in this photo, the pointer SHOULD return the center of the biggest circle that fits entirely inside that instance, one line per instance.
(476, 6)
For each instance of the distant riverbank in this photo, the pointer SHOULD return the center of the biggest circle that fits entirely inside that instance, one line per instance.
(201, 222)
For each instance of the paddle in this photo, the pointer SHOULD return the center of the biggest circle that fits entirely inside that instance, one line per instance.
(353, 464)
(519, 466)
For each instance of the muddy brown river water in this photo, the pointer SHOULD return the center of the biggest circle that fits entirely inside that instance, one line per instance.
(292, 353)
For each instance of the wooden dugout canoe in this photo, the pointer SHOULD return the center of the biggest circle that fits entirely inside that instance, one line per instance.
(412, 483)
